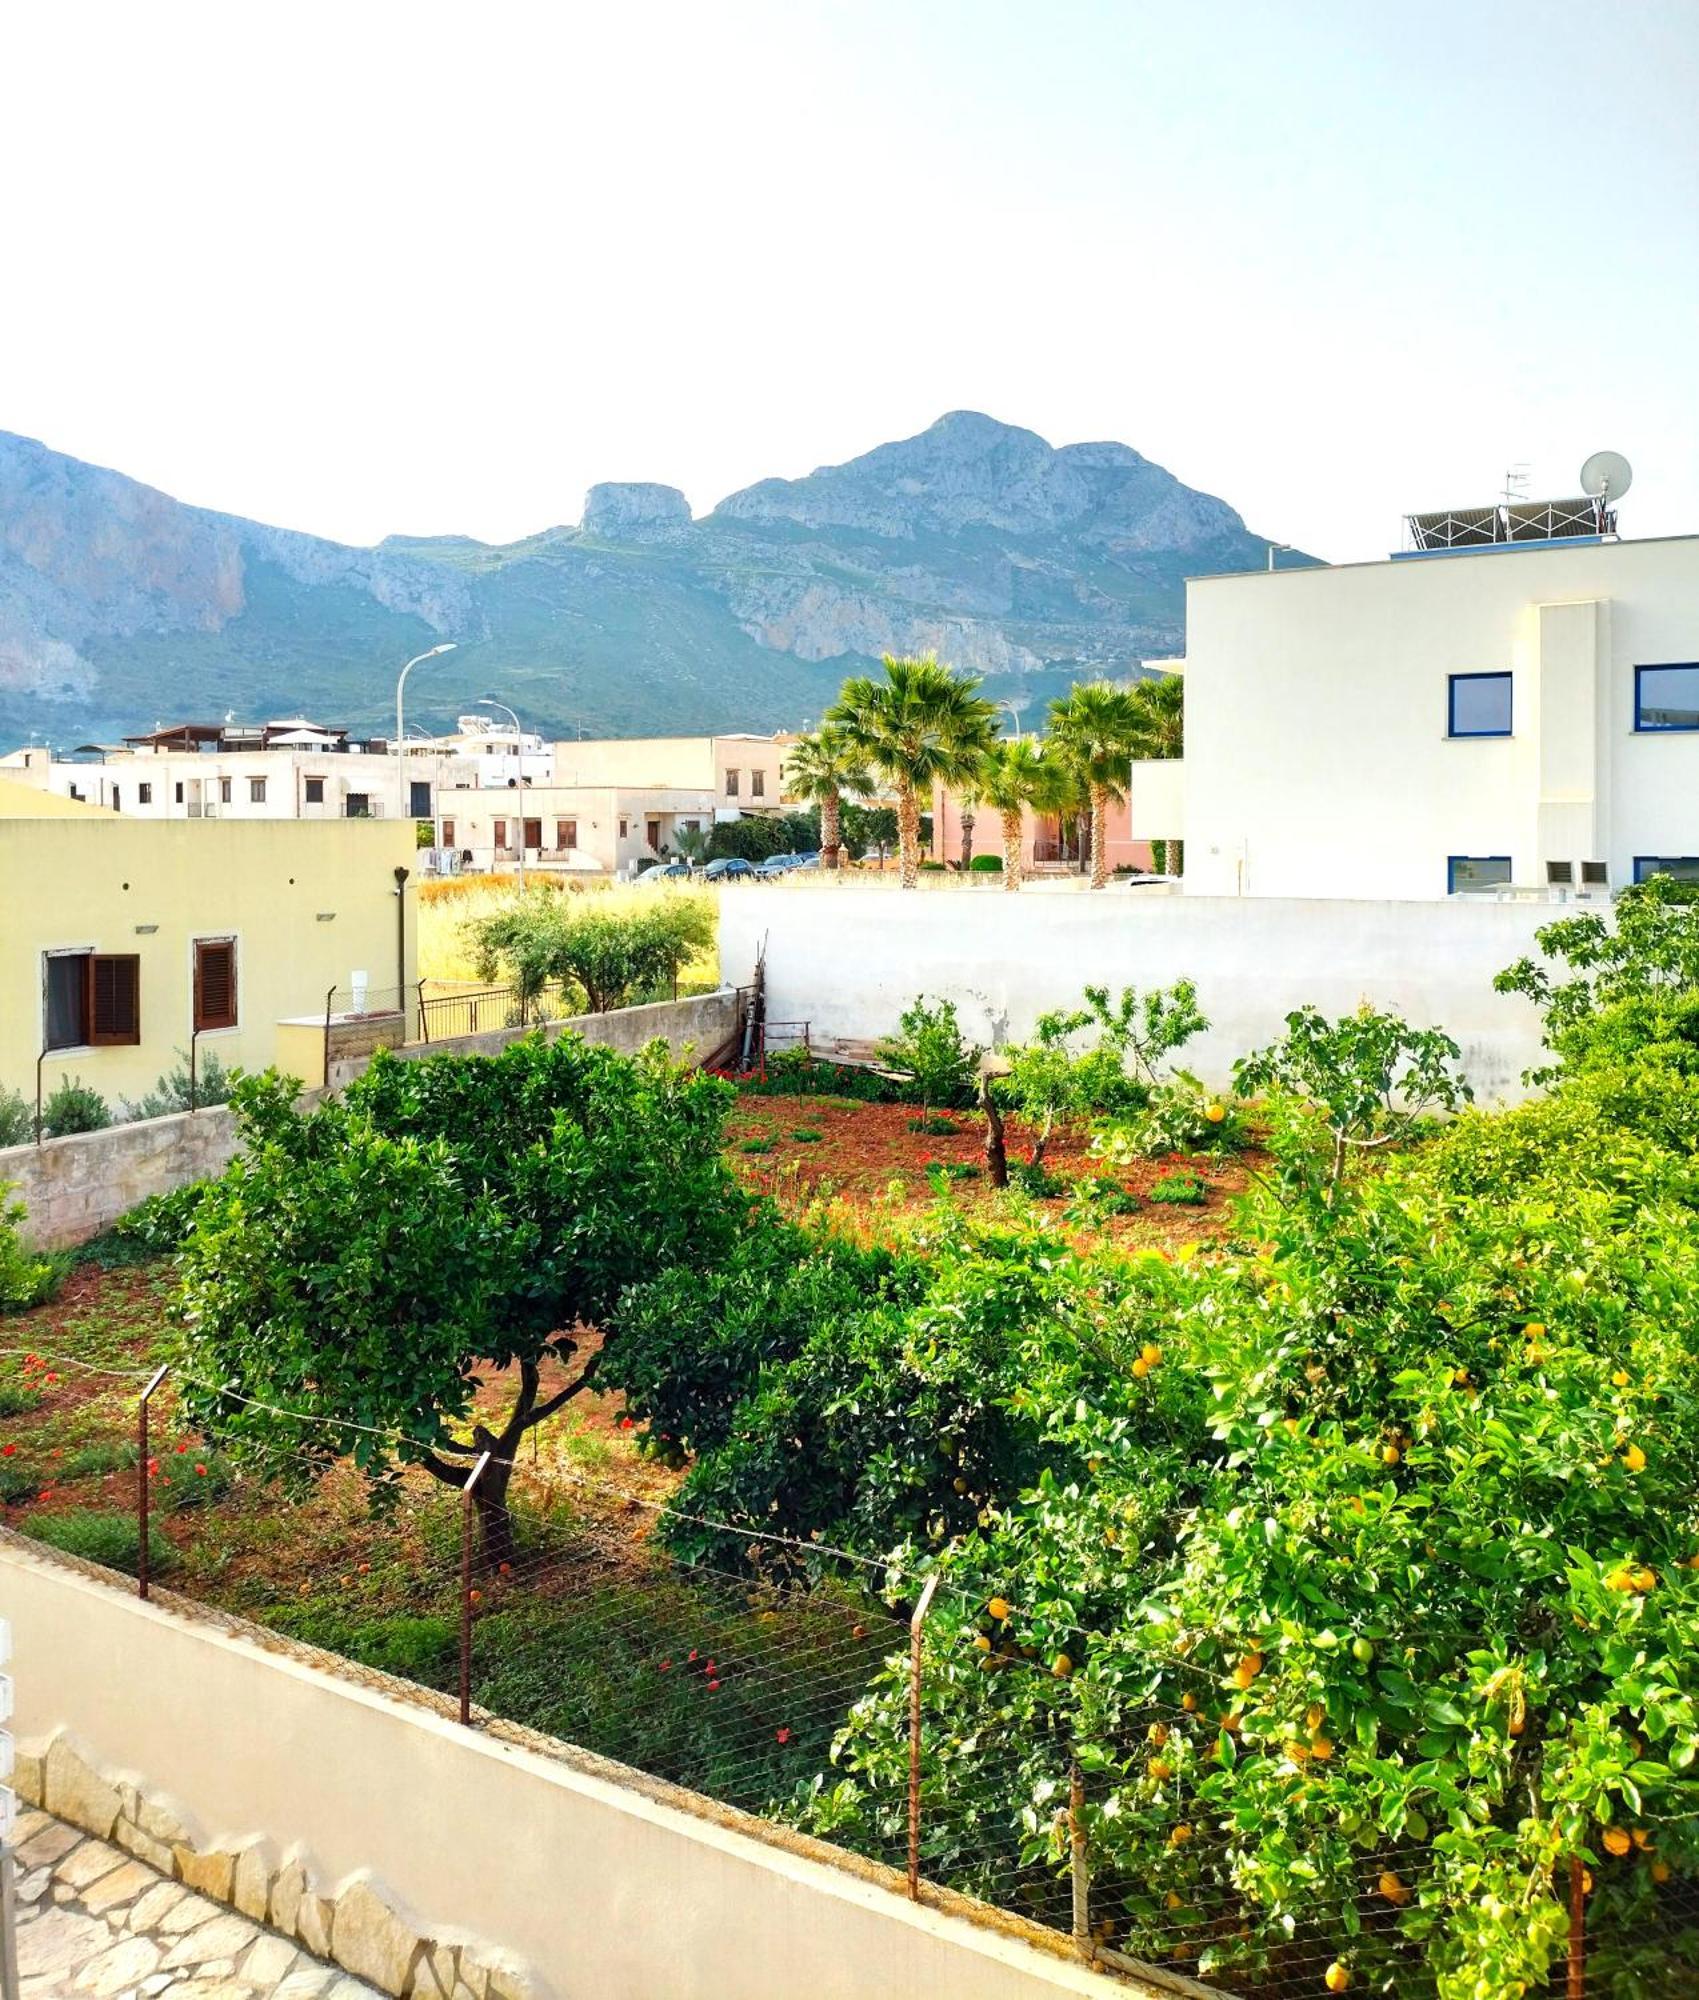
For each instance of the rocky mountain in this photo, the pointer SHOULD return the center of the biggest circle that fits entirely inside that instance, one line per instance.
(120, 607)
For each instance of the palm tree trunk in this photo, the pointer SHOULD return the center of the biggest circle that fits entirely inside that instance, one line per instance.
(1012, 850)
(831, 836)
(1099, 839)
(908, 835)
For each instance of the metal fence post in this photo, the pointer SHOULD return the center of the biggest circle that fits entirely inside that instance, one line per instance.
(915, 1625)
(466, 1590)
(1079, 1868)
(142, 1495)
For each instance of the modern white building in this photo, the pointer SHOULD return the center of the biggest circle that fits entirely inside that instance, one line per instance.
(1498, 717)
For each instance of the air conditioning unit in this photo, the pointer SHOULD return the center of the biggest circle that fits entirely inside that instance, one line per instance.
(1595, 879)
(1560, 874)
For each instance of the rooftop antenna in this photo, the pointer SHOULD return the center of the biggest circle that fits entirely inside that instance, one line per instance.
(1515, 482)
(1605, 478)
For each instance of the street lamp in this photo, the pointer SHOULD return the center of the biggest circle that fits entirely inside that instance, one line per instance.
(1014, 708)
(400, 731)
(488, 701)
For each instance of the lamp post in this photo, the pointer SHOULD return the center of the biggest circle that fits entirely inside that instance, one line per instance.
(400, 730)
(1014, 708)
(519, 751)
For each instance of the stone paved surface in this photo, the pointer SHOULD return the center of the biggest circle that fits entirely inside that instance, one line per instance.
(93, 1920)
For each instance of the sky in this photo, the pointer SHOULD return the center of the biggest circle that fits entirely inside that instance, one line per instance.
(367, 268)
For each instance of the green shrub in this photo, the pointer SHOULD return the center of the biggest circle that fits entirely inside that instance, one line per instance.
(155, 1227)
(74, 1106)
(763, 1144)
(94, 1461)
(1096, 1198)
(935, 1127)
(1032, 1177)
(17, 1121)
(986, 864)
(26, 1278)
(192, 1475)
(942, 1172)
(102, 1535)
(423, 1649)
(611, 956)
(172, 1093)
(807, 1135)
(796, 1073)
(18, 1394)
(1181, 1116)
(1184, 1189)
(939, 1064)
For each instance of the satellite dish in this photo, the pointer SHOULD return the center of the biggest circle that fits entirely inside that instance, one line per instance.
(1607, 475)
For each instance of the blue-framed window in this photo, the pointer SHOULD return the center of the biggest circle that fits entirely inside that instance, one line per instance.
(1666, 697)
(1479, 705)
(1475, 871)
(1684, 867)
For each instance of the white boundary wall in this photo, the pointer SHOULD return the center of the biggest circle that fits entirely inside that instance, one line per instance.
(848, 960)
(600, 1881)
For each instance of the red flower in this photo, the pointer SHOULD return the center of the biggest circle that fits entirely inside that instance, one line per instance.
(693, 1652)
(46, 1493)
(713, 1686)
(152, 1468)
(625, 1423)
(505, 1568)
(6, 1450)
(181, 1449)
(783, 1735)
(711, 1668)
(52, 1378)
(200, 1471)
(666, 1666)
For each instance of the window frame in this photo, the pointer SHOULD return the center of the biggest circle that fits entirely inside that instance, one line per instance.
(448, 833)
(732, 776)
(312, 791)
(1645, 868)
(566, 835)
(1453, 733)
(758, 784)
(144, 791)
(203, 1024)
(256, 791)
(1451, 861)
(1644, 728)
(224, 791)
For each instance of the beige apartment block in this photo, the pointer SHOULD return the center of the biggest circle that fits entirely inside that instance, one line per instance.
(739, 773)
(121, 940)
(585, 829)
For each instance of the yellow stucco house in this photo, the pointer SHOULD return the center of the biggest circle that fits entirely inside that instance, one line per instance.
(122, 940)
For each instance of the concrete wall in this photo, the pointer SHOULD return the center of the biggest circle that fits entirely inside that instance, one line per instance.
(74, 1188)
(600, 1882)
(307, 905)
(1318, 761)
(848, 959)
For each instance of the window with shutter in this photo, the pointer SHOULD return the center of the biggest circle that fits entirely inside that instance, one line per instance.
(533, 833)
(65, 990)
(114, 999)
(215, 983)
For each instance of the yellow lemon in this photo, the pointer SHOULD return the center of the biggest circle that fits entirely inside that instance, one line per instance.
(1617, 1841)
(1634, 1458)
(1150, 1354)
(999, 1608)
(1336, 1978)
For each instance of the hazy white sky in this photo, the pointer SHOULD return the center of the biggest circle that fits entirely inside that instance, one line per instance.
(363, 268)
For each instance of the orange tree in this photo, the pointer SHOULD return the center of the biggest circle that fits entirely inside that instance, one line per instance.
(1356, 1569)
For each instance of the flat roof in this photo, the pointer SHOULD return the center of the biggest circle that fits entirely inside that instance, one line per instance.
(1488, 550)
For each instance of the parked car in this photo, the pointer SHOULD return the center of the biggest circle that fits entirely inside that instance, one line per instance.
(729, 869)
(668, 871)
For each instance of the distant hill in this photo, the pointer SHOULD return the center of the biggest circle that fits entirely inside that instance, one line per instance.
(120, 607)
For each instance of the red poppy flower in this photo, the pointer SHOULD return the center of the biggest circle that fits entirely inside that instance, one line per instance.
(6, 1450)
(693, 1652)
(52, 1378)
(181, 1449)
(46, 1493)
(666, 1666)
(713, 1686)
(153, 1468)
(625, 1423)
(200, 1471)
(783, 1735)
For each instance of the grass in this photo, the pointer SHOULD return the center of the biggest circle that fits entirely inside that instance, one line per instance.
(102, 1535)
(1183, 1189)
(807, 1135)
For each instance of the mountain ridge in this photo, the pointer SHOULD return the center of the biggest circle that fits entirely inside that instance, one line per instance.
(1029, 563)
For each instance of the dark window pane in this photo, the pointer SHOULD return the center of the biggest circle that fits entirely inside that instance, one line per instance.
(1667, 698)
(1478, 871)
(1684, 867)
(67, 1014)
(1480, 704)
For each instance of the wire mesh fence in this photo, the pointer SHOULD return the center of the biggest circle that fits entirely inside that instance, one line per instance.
(829, 1693)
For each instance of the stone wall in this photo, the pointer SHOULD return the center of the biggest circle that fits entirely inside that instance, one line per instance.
(74, 1188)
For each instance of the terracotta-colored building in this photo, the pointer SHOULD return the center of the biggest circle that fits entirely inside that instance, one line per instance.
(1048, 846)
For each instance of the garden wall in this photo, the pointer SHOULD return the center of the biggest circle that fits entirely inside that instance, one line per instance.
(74, 1188)
(361, 1813)
(848, 960)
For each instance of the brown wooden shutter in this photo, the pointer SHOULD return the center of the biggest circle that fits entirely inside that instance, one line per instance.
(114, 999)
(215, 983)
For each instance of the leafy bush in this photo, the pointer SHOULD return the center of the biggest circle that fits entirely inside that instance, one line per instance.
(158, 1225)
(213, 1084)
(611, 955)
(796, 1073)
(1181, 1116)
(986, 864)
(807, 1135)
(102, 1535)
(425, 1649)
(20, 1392)
(940, 1064)
(26, 1279)
(17, 1121)
(935, 1127)
(1035, 1179)
(941, 1173)
(762, 1143)
(192, 1475)
(1184, 1189)
(74, 1106)
(1097, 1198)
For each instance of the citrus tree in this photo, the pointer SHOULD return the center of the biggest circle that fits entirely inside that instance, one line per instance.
(363, 1270)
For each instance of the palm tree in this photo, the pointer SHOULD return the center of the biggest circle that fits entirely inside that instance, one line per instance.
(922, 725)
(821, 768)
(1012, 776)
(1095, 728)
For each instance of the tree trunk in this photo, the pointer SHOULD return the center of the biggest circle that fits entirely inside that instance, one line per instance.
(908, 835)
(1011, 850)
(495, 1523)
(1099, 836)
(831, 838)
(967, 840)
(996, 1152)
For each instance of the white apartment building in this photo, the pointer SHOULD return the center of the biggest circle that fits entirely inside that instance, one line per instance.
(1513, 715)
(585, 829)
(735, 774)
(293, 769)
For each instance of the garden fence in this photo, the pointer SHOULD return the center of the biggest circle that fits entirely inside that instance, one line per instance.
(736, 1676)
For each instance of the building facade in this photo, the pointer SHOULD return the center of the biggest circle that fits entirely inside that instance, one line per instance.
(581, 829)
(737, 774)
(1515, 717)
(123, 944)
